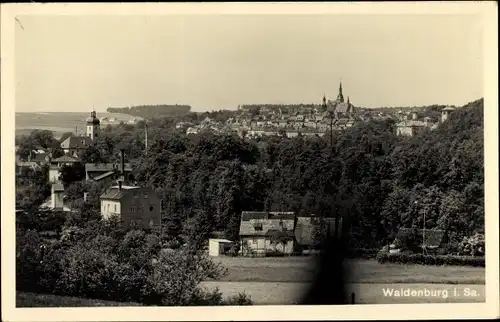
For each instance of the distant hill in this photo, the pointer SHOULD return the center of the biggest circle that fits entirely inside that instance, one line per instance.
(152, 111)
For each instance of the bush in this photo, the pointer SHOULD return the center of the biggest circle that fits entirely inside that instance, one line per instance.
(114, 263)
(240, 299)
(473, 245)
(422, 259)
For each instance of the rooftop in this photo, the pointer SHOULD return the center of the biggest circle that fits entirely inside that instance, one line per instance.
(125, 187)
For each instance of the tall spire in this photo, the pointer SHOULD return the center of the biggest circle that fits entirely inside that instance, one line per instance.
(340, 97)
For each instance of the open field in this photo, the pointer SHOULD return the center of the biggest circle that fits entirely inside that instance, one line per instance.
(46, 300)
(284, 280)
(61, 122)
(301, 269)
(276, 293)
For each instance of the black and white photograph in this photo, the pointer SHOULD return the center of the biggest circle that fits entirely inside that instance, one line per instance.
(247, 159)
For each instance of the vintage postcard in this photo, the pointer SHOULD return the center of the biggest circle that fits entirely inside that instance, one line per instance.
(220, 161)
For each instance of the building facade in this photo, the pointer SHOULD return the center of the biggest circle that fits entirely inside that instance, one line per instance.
(132, 204)
(266, 232)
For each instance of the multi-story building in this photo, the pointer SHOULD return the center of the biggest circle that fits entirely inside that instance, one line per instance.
(132, 204)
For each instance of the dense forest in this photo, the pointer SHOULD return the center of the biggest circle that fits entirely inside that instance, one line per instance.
(378, 182)
(150, 111)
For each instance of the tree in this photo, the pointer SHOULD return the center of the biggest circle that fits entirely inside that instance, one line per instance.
(92, 154)
(72, 173)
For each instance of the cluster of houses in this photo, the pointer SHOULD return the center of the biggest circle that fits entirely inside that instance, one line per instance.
(122, 198)
(207, 124)
(309, 119)
(290, 120)
(413, 125)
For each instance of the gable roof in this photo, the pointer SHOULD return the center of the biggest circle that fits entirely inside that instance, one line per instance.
(267, 221)
(433, 237)
(115, 193)
(76, 142)
(65, 158)
(40, 157)
(103, 176)
(105, 167)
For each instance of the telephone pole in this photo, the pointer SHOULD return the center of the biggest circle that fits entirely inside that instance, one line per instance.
(146, 141)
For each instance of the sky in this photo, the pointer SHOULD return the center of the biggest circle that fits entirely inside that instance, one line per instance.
(76, 63)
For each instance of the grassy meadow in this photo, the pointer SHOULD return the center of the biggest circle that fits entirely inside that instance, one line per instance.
(301, 269)
(284, 280)
(61, 122)
(24, 299)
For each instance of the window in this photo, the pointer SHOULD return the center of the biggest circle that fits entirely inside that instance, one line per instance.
(108, 207)
(132, 209)
(151, 208)
(146, 195)
(115, 208)
(257, 226)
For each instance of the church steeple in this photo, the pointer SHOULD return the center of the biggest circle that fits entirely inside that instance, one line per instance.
(340, 97)
(93, 125)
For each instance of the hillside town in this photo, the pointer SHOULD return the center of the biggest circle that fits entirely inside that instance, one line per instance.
(252, 121)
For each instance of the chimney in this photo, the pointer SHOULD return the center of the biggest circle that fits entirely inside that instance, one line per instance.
(85, 196)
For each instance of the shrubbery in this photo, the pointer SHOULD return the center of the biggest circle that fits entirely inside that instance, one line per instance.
(422, 259)
(110, 261)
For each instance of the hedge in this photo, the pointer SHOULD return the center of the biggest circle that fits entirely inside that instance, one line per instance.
(401, 258)
(365, 253)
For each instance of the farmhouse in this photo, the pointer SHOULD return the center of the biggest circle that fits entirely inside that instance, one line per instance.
(131, 203)
(267, 232)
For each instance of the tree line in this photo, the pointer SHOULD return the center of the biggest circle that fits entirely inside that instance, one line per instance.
(149, 111)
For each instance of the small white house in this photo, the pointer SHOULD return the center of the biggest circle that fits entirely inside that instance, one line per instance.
(216, 246)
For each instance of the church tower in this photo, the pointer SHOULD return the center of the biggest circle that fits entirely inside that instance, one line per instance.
(340, 97)
(93, 126)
